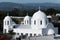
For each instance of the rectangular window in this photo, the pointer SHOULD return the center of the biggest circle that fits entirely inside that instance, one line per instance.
(34, 22)
(46, 22)
(7, 22)
(40, 22)
(27, 21)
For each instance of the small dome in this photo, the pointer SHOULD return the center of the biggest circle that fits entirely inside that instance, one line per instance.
(38, 15)
(50, 31)
(7, 18)
(27, 17)
(27, 20)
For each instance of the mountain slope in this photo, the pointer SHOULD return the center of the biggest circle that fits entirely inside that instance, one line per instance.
(9, 6)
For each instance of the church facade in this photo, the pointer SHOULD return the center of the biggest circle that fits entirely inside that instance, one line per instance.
(38, 24)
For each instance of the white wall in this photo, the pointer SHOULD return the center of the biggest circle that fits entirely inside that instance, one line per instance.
(29, 31)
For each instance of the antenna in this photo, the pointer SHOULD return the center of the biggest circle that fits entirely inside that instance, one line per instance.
(27, 14)
(39, 7)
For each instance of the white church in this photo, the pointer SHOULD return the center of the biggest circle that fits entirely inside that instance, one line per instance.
(38, 24)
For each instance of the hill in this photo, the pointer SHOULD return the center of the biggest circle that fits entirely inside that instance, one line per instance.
(9, 6)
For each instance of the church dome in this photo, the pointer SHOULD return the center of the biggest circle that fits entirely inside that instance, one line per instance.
(27, 17)
(7, 18)
(27, 20)
(39, 14)
(50, 31)
(39, 20)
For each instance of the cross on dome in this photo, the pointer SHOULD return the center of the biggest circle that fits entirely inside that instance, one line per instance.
(27, 14)
(39, 7)
(7, 14)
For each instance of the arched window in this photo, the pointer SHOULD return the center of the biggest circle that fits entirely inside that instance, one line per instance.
(7, 22)
(35, 22)
(40, 22)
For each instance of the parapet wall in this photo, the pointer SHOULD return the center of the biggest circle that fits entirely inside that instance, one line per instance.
(40, 38)
(49, 37)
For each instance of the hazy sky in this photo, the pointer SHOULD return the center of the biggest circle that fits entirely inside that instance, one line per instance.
(31, 1)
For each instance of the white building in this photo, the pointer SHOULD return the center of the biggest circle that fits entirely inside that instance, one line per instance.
(37, 24)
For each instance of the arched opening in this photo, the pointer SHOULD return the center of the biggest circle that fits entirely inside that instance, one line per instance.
(21, 34)
(34, 34)
(30, 34)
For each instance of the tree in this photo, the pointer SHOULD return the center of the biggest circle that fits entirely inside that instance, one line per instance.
(51, 11)
(11, 32)
(14, 12)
